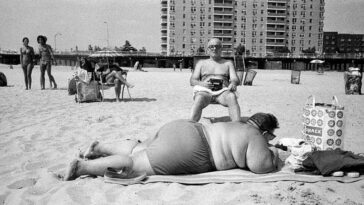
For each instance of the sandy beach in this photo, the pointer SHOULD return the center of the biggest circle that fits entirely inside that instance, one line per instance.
(42, 130)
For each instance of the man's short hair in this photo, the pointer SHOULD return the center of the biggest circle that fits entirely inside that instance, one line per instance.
(265, 121)
(212, 40)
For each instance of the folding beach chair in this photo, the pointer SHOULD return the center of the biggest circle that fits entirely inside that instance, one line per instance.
(240, 67)
(249, 77)
(105, 86)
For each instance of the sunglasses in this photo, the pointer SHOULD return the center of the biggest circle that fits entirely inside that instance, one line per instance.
(270, 135)
(214, 46)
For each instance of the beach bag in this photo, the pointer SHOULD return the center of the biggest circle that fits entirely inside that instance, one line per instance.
(323, 124)
(72, 86)
(3, 81)
(88, 92)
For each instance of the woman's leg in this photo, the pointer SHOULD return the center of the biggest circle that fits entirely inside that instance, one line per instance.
(29, 75)
(43, 68)
(98, 167)
(117, 75)
(97, 149)
(51, 78)
(24, 67)
(117, 88)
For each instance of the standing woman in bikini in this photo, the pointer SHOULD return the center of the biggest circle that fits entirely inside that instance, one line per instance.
(46, 58)
(26, 61)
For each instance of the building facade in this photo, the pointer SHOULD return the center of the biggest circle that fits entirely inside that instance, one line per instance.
(335, 42)
(261, 26)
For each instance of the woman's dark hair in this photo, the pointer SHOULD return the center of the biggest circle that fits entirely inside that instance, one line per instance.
(265, 121)
(42, 37)
(25, 38)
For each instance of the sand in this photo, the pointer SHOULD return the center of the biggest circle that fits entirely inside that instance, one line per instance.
(41, 131)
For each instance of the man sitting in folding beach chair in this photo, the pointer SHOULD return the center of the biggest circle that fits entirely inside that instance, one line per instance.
(112, 75)
(214, 81)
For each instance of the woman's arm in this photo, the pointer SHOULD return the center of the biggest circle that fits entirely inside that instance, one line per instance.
(21, 57)
(51, 52)
(32, 54)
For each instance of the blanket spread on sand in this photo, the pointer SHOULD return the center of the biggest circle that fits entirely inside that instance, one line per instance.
(239, 176)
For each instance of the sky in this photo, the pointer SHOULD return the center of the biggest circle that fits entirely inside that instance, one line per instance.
(86, 22)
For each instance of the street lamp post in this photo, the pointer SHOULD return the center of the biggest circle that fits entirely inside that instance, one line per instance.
(107, 33)
(55, 40)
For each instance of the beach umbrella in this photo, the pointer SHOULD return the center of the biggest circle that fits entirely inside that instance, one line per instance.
(105, 54)
(317, 61)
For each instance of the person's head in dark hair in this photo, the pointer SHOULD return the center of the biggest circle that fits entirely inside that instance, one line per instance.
(41, 39)
(266, 122)
(25, 39)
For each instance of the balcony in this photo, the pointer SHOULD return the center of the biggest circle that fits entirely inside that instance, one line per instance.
(276, 21)
(223, 27)
(224, 12)
(275, 28)
(277, 1)
(275, 44)
(223, 19)
(223, 35)
(276, 36)
(226, 5)
(277, 7)
(278, 14)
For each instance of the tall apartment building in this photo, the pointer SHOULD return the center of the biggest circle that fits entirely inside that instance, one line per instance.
(262, 26)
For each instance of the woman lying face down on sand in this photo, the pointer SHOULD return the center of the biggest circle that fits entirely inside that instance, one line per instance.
(186, 147)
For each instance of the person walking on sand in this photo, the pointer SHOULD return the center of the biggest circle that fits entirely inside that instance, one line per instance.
(46, 58)
(27, 62)
(186, 147)
(214, 80)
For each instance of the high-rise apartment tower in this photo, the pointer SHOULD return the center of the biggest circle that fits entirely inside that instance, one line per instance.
(262, 26)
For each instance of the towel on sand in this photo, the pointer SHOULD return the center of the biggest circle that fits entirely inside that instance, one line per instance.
(198, 88)
(240, 176)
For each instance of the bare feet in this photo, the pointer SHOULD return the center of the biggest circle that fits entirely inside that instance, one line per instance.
(90, 152)
(54, 85)
(72, 170)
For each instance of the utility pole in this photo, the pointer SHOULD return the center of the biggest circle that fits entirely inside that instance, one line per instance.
(107, 33)
(55, 40)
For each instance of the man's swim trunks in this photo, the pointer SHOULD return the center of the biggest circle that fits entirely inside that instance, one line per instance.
(180, 147)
